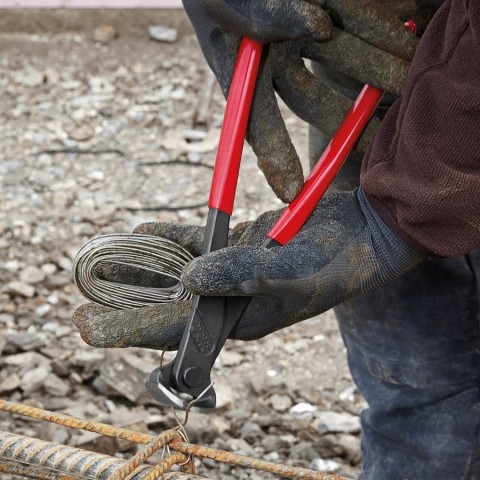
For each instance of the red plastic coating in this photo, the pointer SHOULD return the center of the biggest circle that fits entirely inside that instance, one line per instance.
(232, 136)
(297, 213)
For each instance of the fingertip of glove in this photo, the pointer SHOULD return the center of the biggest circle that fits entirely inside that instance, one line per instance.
(208, 275)
(284, 174)
(148, 228)
(83, 319)
(287, 193)
(85, 312)
(191, 278)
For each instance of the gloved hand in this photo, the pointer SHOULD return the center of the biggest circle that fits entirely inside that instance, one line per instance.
(366, 44)
(344, 250)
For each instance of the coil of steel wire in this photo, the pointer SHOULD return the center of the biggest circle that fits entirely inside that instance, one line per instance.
(137, 252)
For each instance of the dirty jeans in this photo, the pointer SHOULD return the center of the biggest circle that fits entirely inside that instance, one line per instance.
(413, 351)
(413, 348)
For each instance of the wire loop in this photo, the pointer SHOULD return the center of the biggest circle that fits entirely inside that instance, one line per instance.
(137, 252)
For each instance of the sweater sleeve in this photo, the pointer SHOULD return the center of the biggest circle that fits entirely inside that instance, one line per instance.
(422, 172)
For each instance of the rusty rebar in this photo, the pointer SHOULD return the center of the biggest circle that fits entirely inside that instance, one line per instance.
(35, 473)
(250, 462)
(73, 422)
(62, 459)
(140, 457)
(32, 472)
(175, 444)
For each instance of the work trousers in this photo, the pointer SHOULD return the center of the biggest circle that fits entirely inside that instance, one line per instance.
(413, 349)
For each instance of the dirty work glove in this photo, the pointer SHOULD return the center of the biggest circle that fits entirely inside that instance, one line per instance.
(344, 250)
(365, 43)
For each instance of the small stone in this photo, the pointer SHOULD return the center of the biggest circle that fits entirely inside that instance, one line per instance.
(101, 216)
(88, 359)
(49, 268)
(251, 431)
(42, 310)
(60, 368)
(272, 443)
(280, 402)
(272, 457)
(105, 33)
(26, 341)
(327, 466)
(74, 377)
(19, 288)
(334, 422)
(31, 79)
(51, 76)
(32, 275)
(125, 374)
(55, 386)
(33, 379)
(225, 396)
(26, 359)
(60, 436)
(70, 85)
(192, 135)
(162, 33)
(230, 359)
(57, 281)
(63, 331)
(12, 265)
(81, 134)
(97, 175)
(100, 85)
(3, 243)
(12, 382)
(208, 144)
(7, 319)
(65, 264)
(302, 408)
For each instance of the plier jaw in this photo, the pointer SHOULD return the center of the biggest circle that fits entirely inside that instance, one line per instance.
(160, 386)
(186, 381)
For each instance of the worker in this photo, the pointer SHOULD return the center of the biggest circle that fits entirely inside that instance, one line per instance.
(395, 256)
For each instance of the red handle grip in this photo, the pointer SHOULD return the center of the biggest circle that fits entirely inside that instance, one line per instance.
(232, 136)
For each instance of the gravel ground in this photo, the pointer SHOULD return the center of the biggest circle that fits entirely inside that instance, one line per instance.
(96, 138)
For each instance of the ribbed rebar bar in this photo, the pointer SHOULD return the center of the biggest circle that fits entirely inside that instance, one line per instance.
(132, 251)
(27, 471)
(36, 473)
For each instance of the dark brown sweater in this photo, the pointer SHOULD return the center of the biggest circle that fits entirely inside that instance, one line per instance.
(422, 173)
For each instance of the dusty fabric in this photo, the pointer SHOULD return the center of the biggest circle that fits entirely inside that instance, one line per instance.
(422, 172)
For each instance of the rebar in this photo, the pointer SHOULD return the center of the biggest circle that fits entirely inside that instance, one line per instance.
(32, 472)
(61, 459)
(135, 252)
(36, 473)
(174, 442)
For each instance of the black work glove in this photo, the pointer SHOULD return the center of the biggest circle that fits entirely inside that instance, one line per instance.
(366, 44)
(344, 250)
